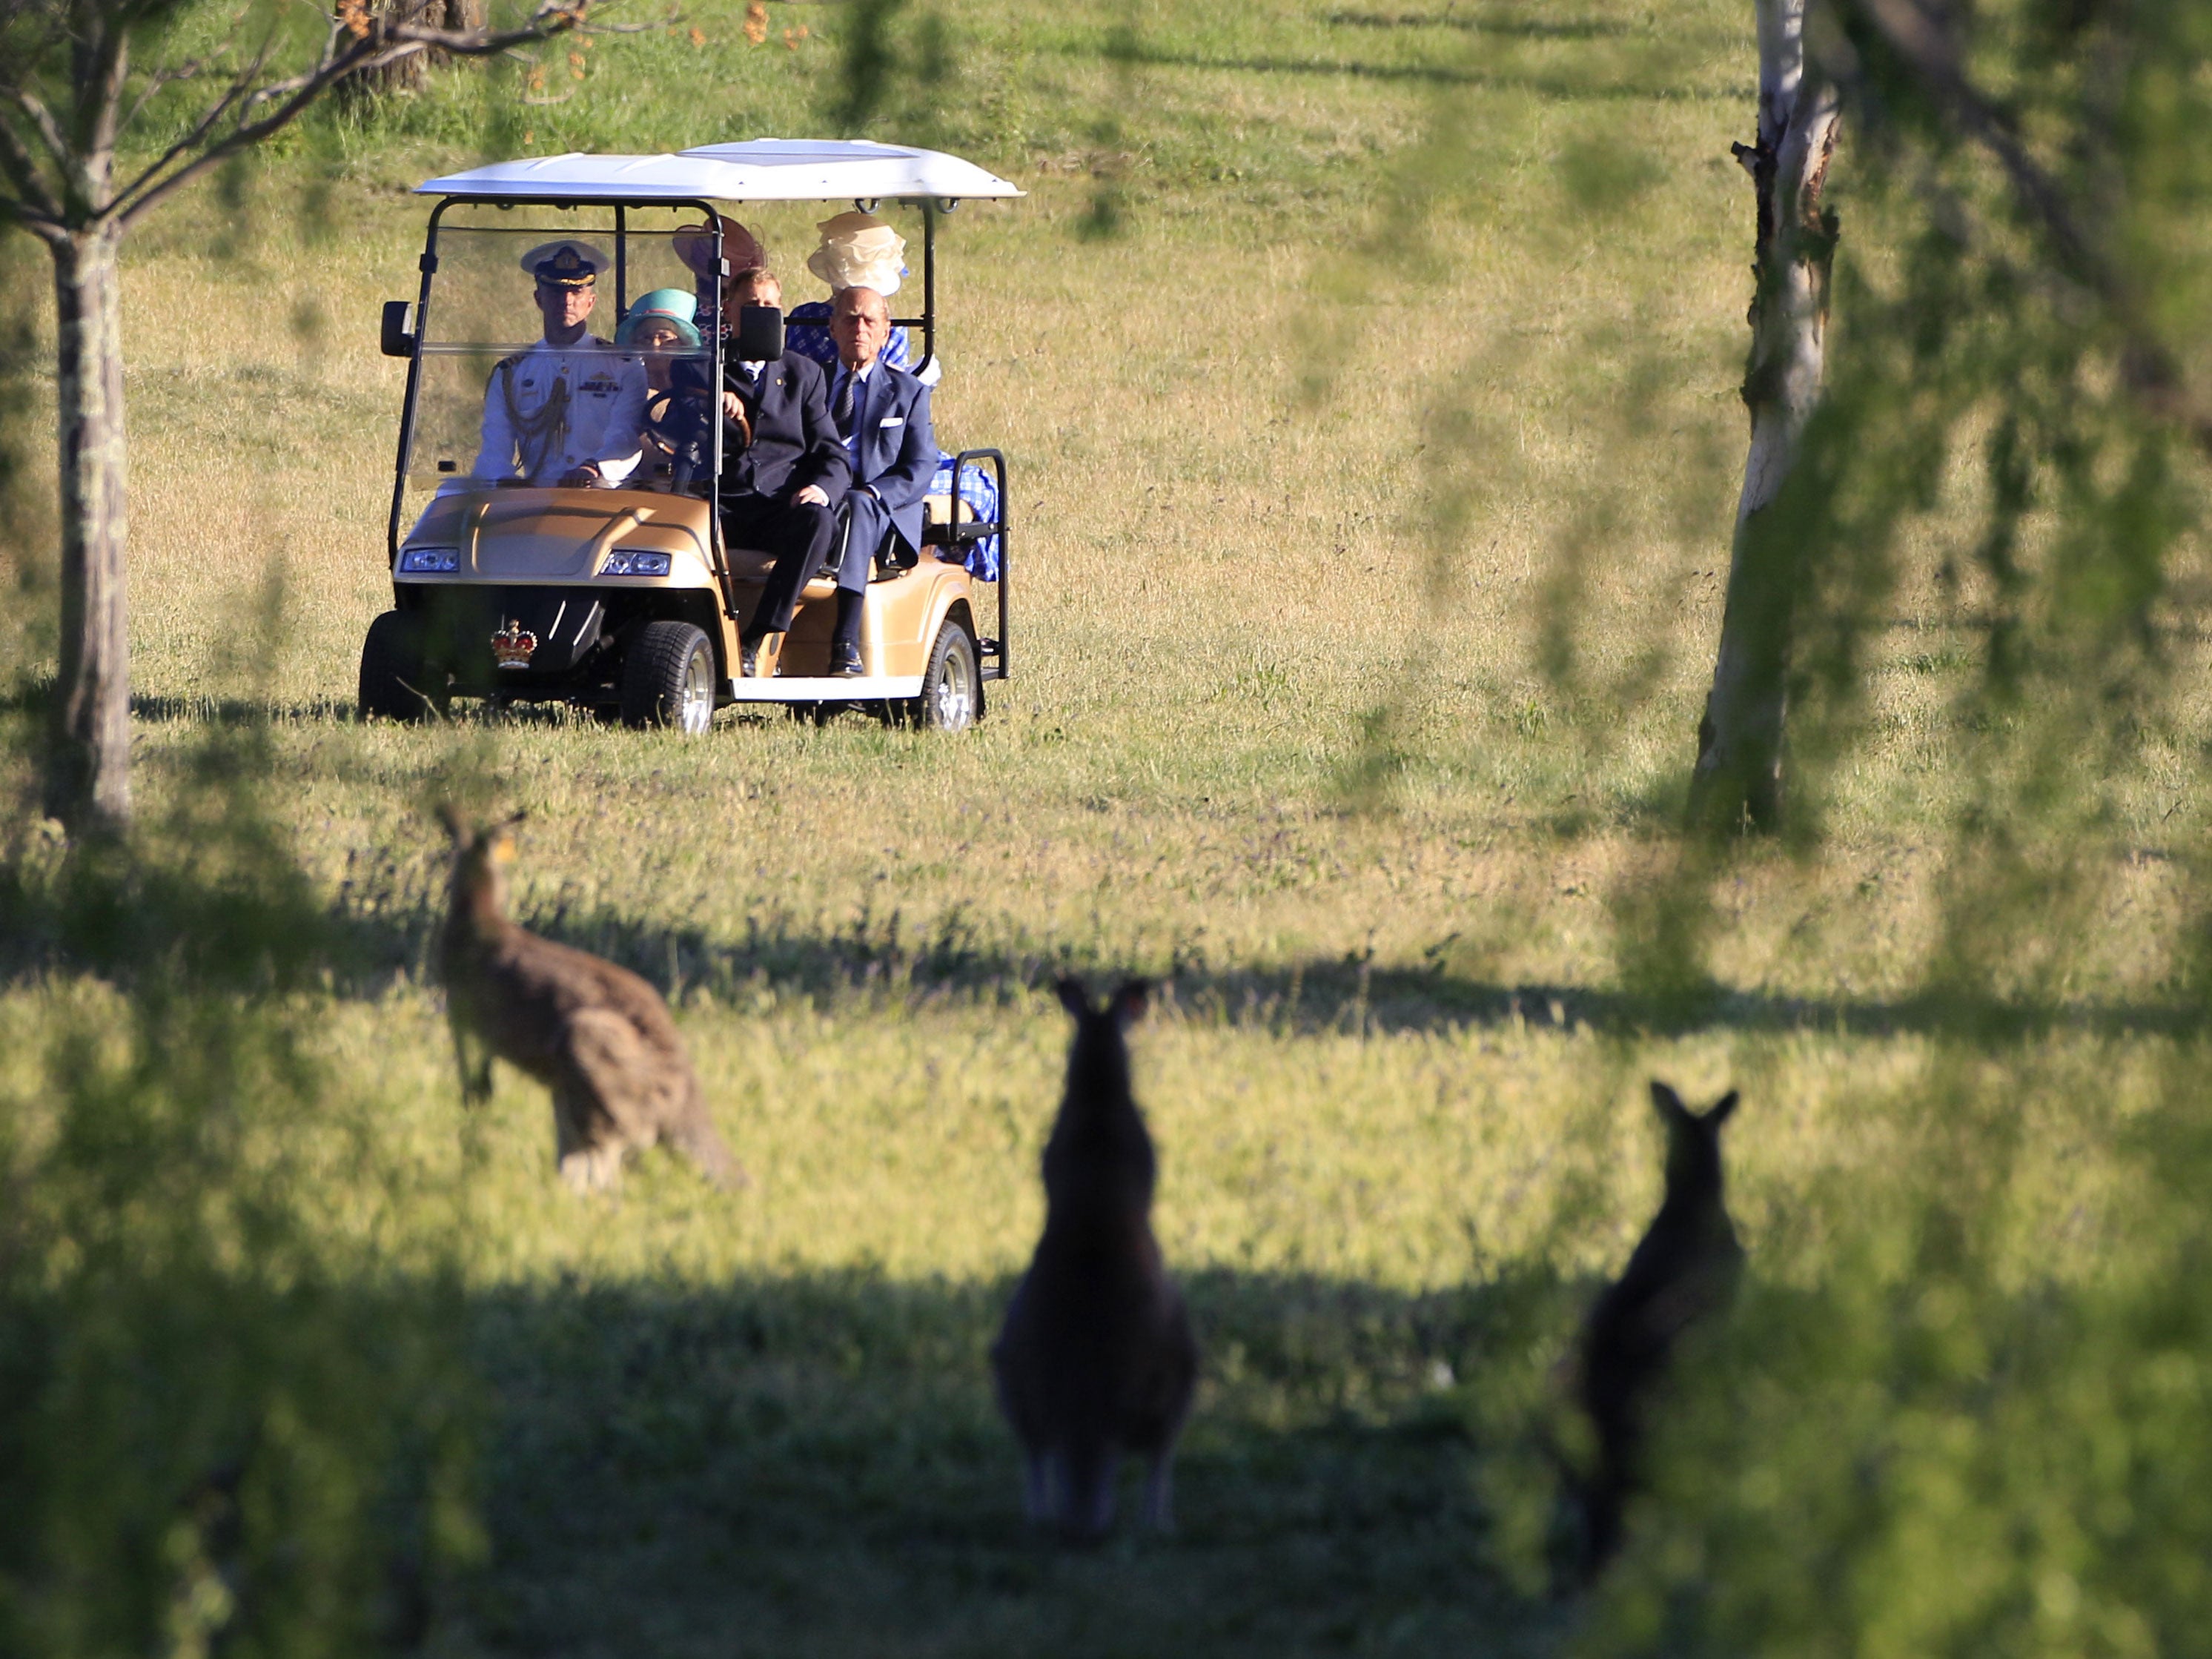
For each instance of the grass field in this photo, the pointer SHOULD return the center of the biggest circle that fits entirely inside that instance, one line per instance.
(1348, 360)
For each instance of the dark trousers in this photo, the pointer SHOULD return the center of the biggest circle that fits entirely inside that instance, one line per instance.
(800, 538)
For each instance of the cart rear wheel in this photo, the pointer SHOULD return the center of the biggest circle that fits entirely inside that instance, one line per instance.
(668, 678)
(396, 681)
(951, 687)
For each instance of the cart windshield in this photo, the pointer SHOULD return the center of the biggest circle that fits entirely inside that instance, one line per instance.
(564, 342)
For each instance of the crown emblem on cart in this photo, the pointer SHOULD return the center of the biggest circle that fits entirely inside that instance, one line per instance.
(513, 646)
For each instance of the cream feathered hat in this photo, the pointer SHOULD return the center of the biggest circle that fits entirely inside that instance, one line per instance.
(859, 251)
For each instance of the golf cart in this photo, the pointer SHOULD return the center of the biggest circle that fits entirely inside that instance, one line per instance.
(619, 594)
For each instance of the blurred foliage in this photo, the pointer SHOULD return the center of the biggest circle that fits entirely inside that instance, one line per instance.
(231, 1420)
(1950, 1415)
(1960, 1406)
(1956, 1429)
(1939, 1424)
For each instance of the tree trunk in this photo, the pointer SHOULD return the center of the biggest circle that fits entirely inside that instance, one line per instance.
(1738, 776)
(88, 780)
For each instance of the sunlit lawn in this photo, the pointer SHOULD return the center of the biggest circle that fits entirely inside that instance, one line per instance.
(1294, 484)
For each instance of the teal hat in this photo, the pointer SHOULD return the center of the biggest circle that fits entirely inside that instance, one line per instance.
(672, 305)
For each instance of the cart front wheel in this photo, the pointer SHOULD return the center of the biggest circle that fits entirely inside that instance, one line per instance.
(395, 683)
(668, 678)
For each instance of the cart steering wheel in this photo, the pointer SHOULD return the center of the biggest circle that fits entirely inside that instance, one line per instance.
(674, 417)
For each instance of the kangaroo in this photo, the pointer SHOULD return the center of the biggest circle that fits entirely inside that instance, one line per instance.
(1683, 1271)
(1097, 1356)
(599, 1035)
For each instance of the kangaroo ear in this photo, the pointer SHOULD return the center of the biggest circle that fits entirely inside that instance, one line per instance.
(513, 818)
(452, 820)
(1719, 1112)
(1073, 997)
(1131, 999)
(1668, 1103)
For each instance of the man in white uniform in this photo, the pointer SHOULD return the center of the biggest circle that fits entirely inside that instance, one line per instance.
(569, 411)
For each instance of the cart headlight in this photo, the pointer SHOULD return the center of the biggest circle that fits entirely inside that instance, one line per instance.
(429, 561)
(624, 562)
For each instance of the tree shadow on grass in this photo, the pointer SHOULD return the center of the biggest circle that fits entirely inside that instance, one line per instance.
(231, 910)
(875, 958)
(1557, 88)
(370, 938)
(1524, 29)
(814, 1464)
(793, 1465)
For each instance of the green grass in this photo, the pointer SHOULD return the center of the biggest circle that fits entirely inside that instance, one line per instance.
(1309, 482)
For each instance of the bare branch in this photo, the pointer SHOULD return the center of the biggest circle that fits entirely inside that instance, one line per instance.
(240, 88)
(386, 42)
(102, 100)
(157, 80)
(42, 122)
(1920, 40)
(34, 204)
(2151, 372)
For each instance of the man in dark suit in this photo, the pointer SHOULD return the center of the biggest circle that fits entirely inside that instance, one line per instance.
(883, 415)
(785, 469)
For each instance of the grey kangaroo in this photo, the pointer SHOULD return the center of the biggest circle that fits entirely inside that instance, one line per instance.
(1683, 1271)
(1097, 1356)
(597, 1035)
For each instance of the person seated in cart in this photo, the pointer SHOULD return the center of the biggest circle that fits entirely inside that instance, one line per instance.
(659, 326)
(785, 469)
(660, 331)
(883, 414)
(570, 410)
(695, 244)
(857, 250)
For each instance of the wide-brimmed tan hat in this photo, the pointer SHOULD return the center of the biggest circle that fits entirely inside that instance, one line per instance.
(695, 245)
(859, 251)
(565, 264)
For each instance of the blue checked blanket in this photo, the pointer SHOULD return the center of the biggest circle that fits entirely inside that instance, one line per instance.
(979, 488)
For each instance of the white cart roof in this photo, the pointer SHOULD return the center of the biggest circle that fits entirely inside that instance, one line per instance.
(762, 170)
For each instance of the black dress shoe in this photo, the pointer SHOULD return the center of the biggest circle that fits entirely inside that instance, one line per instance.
(748, 658)
(845, 662)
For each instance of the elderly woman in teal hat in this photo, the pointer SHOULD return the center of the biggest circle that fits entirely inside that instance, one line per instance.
(660, 329)
(658, 326)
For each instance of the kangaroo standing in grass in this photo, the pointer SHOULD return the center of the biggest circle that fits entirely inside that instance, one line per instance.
(1097, 1356)
(597, 1035)
(1683, 1270)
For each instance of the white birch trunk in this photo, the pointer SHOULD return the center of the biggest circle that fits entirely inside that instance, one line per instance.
(1739, 774)
(88, 780)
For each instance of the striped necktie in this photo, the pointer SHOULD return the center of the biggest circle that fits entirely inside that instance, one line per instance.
(842, 411)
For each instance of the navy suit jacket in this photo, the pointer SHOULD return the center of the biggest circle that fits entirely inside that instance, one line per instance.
(897, 449)
(794, 442)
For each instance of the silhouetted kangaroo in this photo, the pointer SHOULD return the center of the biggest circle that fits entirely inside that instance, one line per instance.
(1097, 1356)
(599, 1035)
(1684, 1269)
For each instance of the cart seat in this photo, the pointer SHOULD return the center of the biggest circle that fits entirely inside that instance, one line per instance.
(750, 565)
